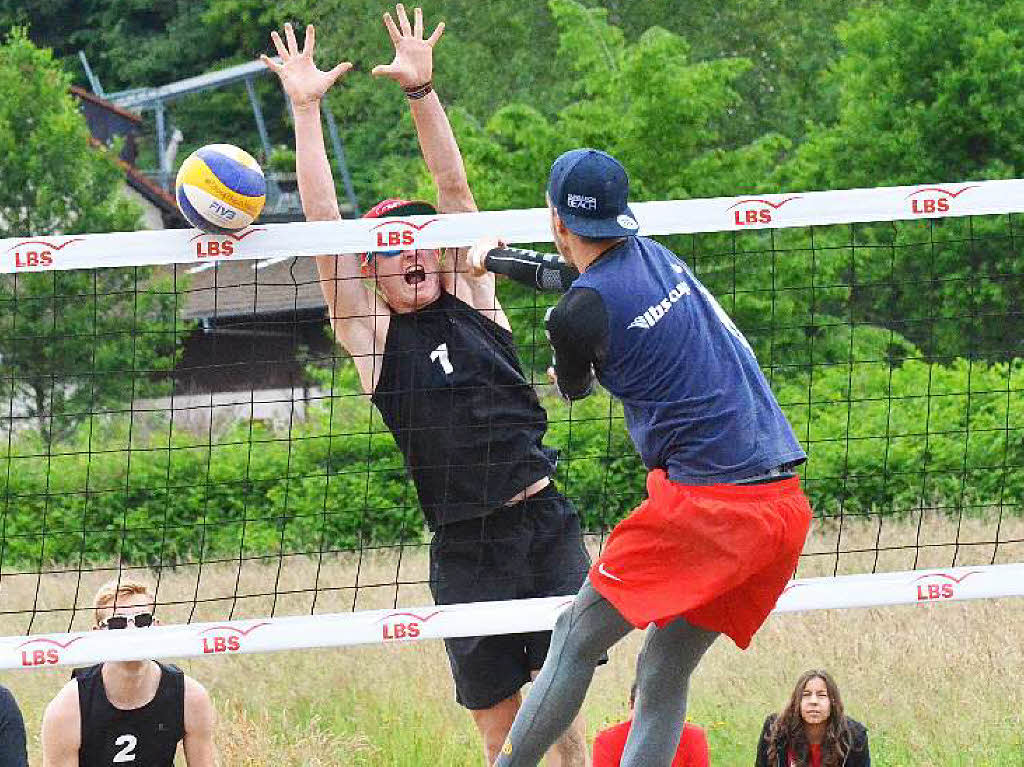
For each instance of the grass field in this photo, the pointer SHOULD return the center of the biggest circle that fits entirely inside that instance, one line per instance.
(936, 685)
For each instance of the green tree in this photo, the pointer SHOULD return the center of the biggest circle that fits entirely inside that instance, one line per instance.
(70, 342)
(929, 92)
(644, 100)
(789, 43)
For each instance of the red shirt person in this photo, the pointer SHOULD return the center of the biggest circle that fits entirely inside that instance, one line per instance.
(611, 742)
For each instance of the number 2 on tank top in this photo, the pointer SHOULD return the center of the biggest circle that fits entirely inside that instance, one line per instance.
(440, 354)
(725, 318)
(126, 754)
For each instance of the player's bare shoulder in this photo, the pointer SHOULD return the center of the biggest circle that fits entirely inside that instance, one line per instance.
(200, 723)
(196, 697)
(62, 728)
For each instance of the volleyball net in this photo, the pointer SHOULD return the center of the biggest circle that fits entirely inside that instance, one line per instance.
(174, 407)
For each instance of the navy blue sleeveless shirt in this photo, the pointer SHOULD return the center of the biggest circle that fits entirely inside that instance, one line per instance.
(696, 402)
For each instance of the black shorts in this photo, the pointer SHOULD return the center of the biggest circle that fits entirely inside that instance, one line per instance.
(532, 549)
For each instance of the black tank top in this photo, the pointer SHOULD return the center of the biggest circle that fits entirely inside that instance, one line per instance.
(469, 424)
(139, 737)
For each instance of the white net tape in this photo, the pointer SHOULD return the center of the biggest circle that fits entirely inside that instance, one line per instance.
(477, 619)
(89, 251)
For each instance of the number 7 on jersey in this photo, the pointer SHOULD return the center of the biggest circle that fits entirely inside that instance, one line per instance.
(440, 354)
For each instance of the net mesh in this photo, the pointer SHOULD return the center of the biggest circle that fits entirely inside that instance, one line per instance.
(198, 424)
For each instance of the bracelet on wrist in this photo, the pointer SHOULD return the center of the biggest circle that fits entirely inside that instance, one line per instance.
(418, 91)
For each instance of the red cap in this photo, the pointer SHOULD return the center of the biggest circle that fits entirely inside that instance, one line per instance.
(394, 207)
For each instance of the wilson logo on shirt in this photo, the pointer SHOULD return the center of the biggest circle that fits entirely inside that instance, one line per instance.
(654, 313)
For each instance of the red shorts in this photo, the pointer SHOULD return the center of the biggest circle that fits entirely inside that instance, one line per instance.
(717, 555)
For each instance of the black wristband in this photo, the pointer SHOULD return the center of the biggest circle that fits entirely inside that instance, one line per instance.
(418, 91)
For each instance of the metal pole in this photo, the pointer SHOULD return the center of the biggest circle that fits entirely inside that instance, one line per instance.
(258, 113)
(339, 154)
(161, 138)
(93, 80)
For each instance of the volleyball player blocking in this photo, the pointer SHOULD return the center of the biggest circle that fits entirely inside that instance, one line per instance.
(435, 352)
(712, 547)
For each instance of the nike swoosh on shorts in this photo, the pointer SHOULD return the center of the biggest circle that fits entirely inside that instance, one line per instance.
(606, 574)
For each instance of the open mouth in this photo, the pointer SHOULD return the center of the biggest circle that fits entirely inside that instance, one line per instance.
(415, 274)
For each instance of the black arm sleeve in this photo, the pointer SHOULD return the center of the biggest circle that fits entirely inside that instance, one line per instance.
(543, 271)
(578, 330)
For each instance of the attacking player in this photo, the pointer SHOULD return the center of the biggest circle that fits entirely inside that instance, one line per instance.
(434, 350)
(713, 546)
(131, 712)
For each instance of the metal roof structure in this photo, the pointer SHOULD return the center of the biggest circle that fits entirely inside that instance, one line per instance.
(141, 98)
(156, 98)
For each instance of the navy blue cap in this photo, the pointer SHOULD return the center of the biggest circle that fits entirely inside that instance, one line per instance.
(590, 189)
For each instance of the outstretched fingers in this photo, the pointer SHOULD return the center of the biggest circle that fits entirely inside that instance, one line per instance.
(403, 20)
(281, 50)
(384, 70)
(338, 71)
(270, 64)
(310, 42)
(432, 40)
(417, 28)
(289, 35)
(392, 29)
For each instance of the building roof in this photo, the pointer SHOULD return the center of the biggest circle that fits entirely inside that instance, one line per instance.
(102, 103)
(120, 122)
(156, 194)
(235, 290)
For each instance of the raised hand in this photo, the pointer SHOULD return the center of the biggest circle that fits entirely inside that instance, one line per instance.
(300, 78)
(413, 64)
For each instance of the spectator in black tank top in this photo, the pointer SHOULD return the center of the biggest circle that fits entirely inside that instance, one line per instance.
(435, 351)
(132, 711)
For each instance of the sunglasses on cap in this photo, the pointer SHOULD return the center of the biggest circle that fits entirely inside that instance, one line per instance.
(139, 620)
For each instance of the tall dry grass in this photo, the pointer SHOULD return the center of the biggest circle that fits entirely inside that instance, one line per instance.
(936, 684)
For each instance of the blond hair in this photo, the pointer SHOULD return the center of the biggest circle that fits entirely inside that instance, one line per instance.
(113, 592)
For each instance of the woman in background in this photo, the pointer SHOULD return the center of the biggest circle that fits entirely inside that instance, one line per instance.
(812, 730)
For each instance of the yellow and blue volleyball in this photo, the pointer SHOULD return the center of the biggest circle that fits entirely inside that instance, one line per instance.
(220, 189)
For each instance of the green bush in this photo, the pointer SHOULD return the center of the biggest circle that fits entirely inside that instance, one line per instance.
(881, 438)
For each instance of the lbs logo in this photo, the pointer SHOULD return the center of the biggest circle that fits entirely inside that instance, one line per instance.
(396, 234)
(938, 586)
(225, 639)
(37, 254)
(404, 625)
(43, 652)
(930, 200)
(756, 212)
(219, 246)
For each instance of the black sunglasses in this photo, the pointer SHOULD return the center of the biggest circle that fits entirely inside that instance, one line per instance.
(139, 620)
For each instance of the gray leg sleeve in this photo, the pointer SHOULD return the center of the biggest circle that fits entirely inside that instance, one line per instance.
(582, 634)
(669, 656)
